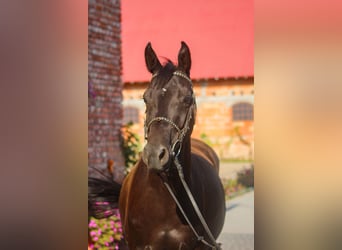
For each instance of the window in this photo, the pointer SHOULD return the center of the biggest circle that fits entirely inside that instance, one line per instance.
(130, 114)
(243, 112)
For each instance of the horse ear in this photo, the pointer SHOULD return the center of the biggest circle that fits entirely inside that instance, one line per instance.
(184, 58)
(151, 59)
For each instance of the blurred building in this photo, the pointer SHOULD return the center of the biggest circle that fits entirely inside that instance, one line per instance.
(105, 85)
(220, 36)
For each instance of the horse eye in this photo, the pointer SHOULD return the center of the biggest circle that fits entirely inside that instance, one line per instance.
(188, 100)
(144, 98)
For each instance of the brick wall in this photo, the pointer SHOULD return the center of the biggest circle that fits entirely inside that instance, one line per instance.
(214, 121)
(105, 100)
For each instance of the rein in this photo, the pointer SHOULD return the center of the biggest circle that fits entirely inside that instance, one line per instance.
(214, 244)
(181, 134)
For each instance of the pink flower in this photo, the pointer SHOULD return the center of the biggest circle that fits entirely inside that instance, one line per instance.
(107, 212)
(92, 223)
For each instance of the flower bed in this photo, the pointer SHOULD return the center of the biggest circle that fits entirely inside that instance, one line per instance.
(241, 185)
(105, 233)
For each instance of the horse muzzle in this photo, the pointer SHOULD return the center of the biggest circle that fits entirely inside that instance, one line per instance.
(156, 157)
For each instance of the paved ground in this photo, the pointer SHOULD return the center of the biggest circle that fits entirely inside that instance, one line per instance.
(238, 230)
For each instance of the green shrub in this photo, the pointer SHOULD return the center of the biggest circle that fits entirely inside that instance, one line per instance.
(246, 177)
(231, 188)
(130, 145)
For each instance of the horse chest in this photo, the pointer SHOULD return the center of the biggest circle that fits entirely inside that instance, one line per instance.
(156, 224)
(163, 238)
(147, 210)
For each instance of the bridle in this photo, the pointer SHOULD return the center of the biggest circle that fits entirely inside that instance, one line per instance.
(181, 133)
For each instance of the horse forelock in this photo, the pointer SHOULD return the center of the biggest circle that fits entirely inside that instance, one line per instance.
(165, 73)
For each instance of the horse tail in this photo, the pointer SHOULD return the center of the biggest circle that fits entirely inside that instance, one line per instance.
(103, 197)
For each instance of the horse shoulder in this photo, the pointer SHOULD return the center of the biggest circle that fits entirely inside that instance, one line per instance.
(203, 150)
(125, 195)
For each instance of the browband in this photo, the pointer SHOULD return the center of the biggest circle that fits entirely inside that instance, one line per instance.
(176, 73)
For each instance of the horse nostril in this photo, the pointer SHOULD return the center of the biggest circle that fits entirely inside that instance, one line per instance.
(155, 156)
(162, 154)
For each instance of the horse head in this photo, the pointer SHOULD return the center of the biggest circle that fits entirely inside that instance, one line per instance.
(170, 108)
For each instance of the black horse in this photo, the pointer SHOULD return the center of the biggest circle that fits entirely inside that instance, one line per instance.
(173, 197)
